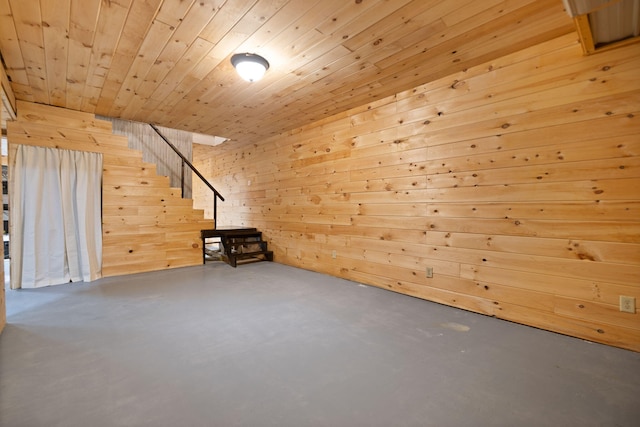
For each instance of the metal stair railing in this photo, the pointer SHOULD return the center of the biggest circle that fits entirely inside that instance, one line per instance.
(185, 161)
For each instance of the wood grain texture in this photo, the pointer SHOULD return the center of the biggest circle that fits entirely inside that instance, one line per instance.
(146, 225)
(168, 61)
(7, 100)
(515, 180)
(154, 150)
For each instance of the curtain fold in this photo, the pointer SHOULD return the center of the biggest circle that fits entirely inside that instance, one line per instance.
(56, 216)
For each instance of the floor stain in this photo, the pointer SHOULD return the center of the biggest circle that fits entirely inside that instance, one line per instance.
(455, 326)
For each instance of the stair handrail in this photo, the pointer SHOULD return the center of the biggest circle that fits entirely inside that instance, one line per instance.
(186, 161)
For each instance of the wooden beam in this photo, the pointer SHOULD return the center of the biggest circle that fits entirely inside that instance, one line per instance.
(584, 32)
(8, 98)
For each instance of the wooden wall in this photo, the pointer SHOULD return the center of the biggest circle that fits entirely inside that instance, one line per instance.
(154, 150)
(517, 181)
(146, 224)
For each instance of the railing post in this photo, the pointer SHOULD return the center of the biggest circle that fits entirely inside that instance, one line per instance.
(182, 179)
(198, 174)
(215, 211)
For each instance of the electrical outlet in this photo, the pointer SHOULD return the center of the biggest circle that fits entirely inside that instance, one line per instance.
(429, 272)
(334, 254)
(627, 304)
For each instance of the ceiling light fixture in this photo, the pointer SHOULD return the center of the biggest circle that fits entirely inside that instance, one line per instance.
(250, 66)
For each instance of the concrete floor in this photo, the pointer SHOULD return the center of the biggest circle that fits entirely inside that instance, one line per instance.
(270, 345)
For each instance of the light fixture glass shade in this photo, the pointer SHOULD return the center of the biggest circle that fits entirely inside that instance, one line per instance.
(250, 67)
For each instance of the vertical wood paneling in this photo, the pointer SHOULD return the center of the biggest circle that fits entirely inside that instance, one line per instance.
(516, 180)
(146, 225)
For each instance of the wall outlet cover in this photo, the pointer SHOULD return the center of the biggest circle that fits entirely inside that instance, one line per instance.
(627, 304)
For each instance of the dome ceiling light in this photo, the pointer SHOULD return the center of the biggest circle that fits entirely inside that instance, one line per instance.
(250, 67)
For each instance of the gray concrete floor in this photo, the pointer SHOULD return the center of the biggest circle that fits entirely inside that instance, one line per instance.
(270, 345)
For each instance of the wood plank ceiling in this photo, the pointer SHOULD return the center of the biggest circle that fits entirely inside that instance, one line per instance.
(167, 61)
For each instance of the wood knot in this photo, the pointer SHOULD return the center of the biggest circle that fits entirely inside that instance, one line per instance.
(586, 256)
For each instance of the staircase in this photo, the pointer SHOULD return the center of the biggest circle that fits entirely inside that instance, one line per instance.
(230, 244)
(233, 244)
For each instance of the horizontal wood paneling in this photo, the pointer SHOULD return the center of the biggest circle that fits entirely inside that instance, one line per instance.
(516, 180)
(146, 225)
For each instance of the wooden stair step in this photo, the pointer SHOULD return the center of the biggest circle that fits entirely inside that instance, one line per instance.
(232, 259)
(224, 232)
(236, 244)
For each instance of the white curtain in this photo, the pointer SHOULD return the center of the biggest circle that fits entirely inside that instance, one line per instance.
(56, 216)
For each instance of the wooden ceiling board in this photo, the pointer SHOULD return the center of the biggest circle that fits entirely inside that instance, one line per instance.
(307, 48)
(173, 12)
(55, 28)
(9, 42)
(28, 24)
(131, 39)
(110, 23)
(463, 50)
(157, 37)
(82, 25)
(167, 61)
